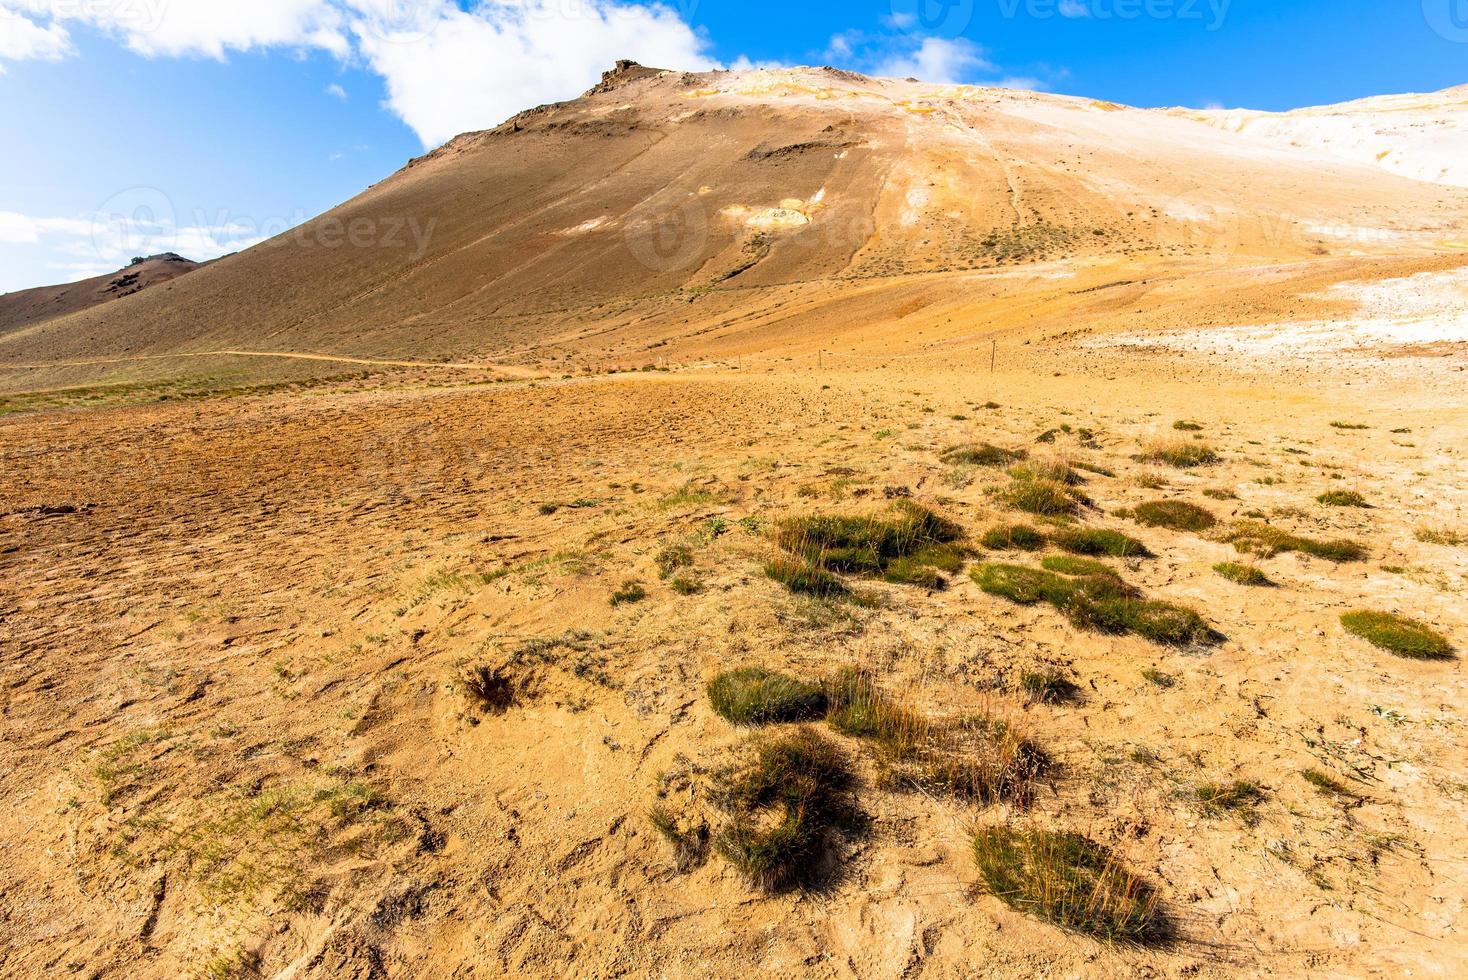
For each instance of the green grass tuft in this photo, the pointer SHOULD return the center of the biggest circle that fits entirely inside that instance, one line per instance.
(1179, 453)
(672, 558)
(1099, 541)
(909, 544)
(1175, 515)
(629, 593)
(1074, 565)
(1044, 498)
(1240, 796)
(755, 696)
(1399, 635)
(1258, 538)
(803, 579)
(1182, 425)
(1443, 536)
(1241, 574)
(1070, 881)
(1342, 498)
(982, 454)
(1013, 537)
(1098, 602)
(1326, 783)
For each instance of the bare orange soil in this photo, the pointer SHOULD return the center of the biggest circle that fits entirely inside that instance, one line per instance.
(236, 625)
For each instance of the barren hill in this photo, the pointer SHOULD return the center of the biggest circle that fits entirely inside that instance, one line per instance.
(31, 306)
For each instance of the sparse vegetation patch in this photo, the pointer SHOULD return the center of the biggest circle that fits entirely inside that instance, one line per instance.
(1070, 881)
(1259, 538)
(982, 454)
(1398, 634)
(1175, 515)
(755, 696)
(1180, 453)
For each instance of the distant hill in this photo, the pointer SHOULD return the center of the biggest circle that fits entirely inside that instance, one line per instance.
(31, 306)
(676, 215)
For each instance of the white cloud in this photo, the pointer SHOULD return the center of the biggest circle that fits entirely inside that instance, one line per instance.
(336, 90)
(473, 70)
(447, 69)
(22, 39)
(939, 60)
(17, 229)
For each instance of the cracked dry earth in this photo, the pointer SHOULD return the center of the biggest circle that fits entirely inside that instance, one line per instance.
(235, 634)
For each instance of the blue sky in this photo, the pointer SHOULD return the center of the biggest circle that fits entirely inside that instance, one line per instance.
(134, 126)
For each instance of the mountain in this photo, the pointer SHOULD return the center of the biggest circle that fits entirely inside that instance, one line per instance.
(1417, 136)
(31, 306)
(690, 215)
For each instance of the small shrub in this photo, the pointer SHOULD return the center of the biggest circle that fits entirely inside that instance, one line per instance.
(1158, 678)
(1048, 687)
(1442, 536)
(1240, 797)
(755, 696)
(673, 558)
(1241, 574)
(1165, 622)
(1150, 480)
(1183, 425)
(1217, 493)
(685, 584)
(1399, 635)
(1070, 881)
(1175, 515)
(1325, 783)
(982, 454)
(1013, 537)
(1099, 541)
(1342, 498)
(1179, 453)
(629, 593)
(784, 806)
(803, 579)
(1100, 602)
(1022, 585)
(1074, 565)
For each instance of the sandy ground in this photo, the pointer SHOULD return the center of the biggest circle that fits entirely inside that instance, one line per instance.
(234, 738)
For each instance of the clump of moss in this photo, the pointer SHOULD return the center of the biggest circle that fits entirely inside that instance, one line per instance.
(1100, 541)
(755, 696)
(1070, 881)
(982, 454)
(1012, 537)
(1259, 538)
(784, 806)
(1175, 515)
(1399, 635)
(1342, 498)
(1241, 574)
(1179, 453)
